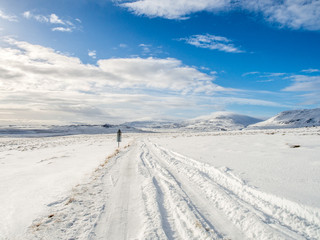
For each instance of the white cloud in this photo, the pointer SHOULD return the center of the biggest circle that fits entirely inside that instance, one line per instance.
(304, 83)
(61, 29)
(290, 13)
(56, 20)
(274, 74)
(249, 101)
(267, 80)
(212, 42)
(38, 83)
(122, 45)
(145, 48)
(155, 73)
(250, 73)
(173, 9)
(310, 85)
(10, 18)
(265, 74)
(39, 18)
(52, 19)
(92, 53)
(311, 70)
(27, 14)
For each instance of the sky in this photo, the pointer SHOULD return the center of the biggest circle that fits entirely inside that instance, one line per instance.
(112, 61)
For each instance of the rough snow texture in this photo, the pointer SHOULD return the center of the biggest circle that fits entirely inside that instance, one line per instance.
(291, 119)
(35, 172)
(227, 185)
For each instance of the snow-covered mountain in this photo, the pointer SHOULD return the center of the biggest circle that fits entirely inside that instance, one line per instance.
(291, 119)
(219, 121)
(152, 125)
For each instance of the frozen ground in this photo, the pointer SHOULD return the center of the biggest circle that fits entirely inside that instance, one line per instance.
(230, 185)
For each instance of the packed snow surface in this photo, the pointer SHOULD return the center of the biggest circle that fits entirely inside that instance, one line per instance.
(229, 185)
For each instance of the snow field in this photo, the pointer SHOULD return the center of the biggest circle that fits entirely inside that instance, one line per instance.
(37, 171)
(266, 159)
(148, 191)
(183, 186)
(256, 213)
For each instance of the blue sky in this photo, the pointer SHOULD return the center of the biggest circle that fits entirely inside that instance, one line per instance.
(101, 61)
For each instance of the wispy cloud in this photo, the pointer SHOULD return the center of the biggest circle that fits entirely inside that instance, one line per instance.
(294, 14)
(274, 74)
(39, 18)
(308, 85)
(212, 42)
(92, 53)
(53, 19)
(149, 50)
(265, 74)
(304, 83)
(38, 83)
(311, 70)
(10, 18)
(264, 81)
(122, 45)
(250, 73)
(61, 29)
(145, 48)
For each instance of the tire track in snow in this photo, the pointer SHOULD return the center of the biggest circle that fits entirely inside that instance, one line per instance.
(156, 224)
(179, 217)
(149, 192)
(257, 214)
(214, 218)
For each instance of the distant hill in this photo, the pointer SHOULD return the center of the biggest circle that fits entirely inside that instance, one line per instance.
(47, 130)
(220, 121)
(152, 125)
(291, 119)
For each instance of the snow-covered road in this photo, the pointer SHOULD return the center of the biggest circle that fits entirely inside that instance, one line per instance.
(147, 191)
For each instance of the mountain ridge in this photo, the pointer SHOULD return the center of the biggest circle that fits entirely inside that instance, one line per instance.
(217, 121)
(291, 119)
